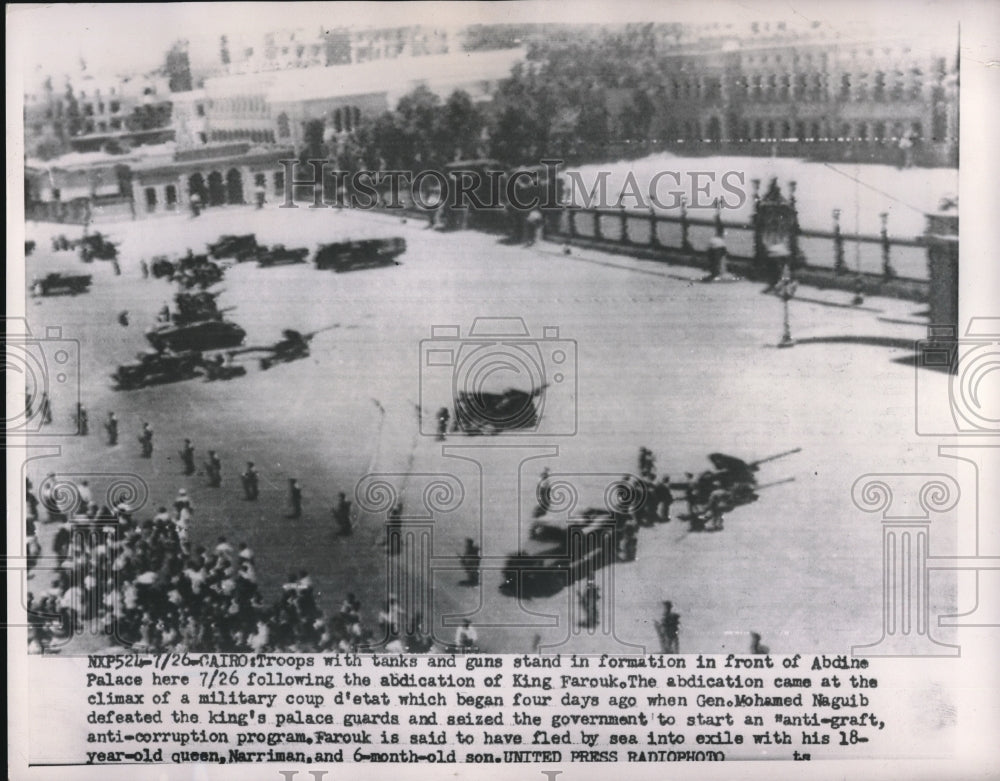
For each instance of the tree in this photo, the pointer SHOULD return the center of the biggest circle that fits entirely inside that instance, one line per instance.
(460, 127)
(178, 68)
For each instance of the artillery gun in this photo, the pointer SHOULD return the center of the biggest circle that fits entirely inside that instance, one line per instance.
(736, 477)
(292, 346)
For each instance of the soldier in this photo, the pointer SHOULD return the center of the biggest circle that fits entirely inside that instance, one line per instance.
(668, 628)
(466, 638)
(647, 463)
(663, 497)
(393, 528)
(111, 426)
(442, 420)
(182, 505)
(251, 483)
(187, 458)
(295, 498)
(589, 598)
(213, 468)
(82, 420)
(31, 499)
(146, 440)
(342, 515)
(470, 559)
(718, 504)
(630, 540)
(544, 494)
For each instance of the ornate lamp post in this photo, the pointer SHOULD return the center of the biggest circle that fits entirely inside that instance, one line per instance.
(786, 288)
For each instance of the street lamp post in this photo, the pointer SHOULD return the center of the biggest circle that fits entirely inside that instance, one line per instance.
(786, 288)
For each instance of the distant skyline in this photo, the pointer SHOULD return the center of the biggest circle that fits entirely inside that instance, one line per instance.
(134, 38)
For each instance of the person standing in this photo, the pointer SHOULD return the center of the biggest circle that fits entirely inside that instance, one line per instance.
(470, 560)
(111, 426)
(251, 483)
(342, 515)
(295, 498)
(589, 598)
(466, 638)
(668, 627)
(663, 497)
(146, 440)
(187, 458)
(213, 468)
(82, 420)
(442, 421)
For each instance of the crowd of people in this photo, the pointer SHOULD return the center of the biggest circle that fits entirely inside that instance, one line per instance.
(148, 588)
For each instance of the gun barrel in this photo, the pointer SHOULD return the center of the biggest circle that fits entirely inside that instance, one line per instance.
(776, 456)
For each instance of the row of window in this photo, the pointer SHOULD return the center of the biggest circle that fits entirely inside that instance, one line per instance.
(807, 87)
(773, 130)
(254, 136)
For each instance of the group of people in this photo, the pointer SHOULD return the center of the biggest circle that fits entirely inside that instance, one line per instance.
(147, 587)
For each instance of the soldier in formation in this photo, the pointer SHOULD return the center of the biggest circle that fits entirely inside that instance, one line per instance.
(442, 423)
(111, 427)
(668, 628)
(146, 440)
(342, 516)
(251, 483)
(470, 560)
(82, 420)
(295, 498)
(213, 468)
(589, 598)
(187, 458)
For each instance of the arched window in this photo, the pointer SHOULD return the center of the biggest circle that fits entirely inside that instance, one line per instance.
(151, 199)
(234, 186)
(170, 192)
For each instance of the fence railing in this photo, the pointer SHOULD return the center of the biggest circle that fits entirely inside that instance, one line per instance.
(890, 257)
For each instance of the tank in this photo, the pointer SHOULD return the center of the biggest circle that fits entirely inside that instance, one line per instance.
(196, 324)
(216, 334)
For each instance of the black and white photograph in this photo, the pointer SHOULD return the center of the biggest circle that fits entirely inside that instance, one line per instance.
(626, 360)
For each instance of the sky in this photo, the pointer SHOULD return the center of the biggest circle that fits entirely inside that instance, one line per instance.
(129, 38)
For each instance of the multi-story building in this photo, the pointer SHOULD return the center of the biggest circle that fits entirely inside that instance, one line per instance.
(836, 94)
(89, 114)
